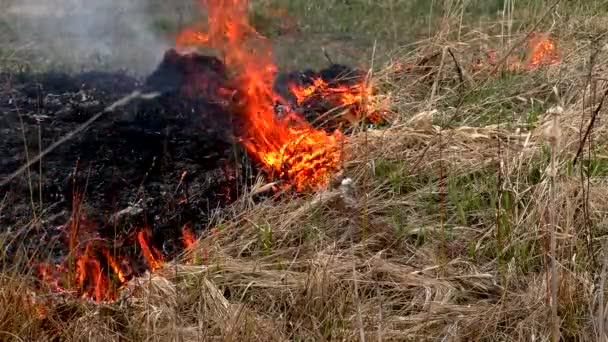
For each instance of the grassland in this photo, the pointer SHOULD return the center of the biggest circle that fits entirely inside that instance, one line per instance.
(468, 219)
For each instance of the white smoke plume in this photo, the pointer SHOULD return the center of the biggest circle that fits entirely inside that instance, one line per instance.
(87, 34)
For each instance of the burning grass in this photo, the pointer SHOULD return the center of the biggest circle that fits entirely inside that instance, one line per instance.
(290, 147)
(443, 228)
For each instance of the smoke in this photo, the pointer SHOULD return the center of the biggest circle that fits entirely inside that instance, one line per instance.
(86, 34)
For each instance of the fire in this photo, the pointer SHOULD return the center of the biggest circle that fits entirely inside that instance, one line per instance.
(93, 271)
(341, 94)
(90, 279)
(289, 147)
(190, 37)
(114, 265)
(153, 257)
(354, 96)
(188, 236)
(303, 93)
(542, 51)
(194, 252)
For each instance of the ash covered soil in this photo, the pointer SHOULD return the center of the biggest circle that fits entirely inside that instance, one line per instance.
(160, 163)
(169, 161)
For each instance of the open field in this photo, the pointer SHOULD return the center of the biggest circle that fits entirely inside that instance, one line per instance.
(478, 213)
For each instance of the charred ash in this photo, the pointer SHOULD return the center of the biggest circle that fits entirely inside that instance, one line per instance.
(144, 171)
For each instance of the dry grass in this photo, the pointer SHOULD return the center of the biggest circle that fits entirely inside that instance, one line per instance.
(444, 235)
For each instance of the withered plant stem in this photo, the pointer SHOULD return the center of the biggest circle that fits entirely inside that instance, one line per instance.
(554, 274)
(601, 314)
(458, 67)
(590, 127)
(364, 216)
(442, 176)
(29, 161)
(553, 135)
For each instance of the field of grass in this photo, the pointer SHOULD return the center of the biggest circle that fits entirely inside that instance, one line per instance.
(478, 214)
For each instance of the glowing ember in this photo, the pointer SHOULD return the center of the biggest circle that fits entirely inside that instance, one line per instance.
(289, 147)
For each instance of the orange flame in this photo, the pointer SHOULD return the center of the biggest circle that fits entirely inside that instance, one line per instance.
(93, 272)
(542, 51)
(90, 277)
(114, 265)
(339, 96)
(342, 94)
(291, 148)
(188, 237)
(191, 37)
(152, 256)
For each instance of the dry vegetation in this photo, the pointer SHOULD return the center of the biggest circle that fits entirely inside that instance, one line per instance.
(446, 233)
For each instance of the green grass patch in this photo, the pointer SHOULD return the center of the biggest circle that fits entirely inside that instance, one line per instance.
(502, 98)
(396, 175)
(472, 196)
(596, 167)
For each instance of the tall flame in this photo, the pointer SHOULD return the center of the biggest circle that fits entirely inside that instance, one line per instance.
(90, 278)
(153, 257)
(289, 147)
(114, 265)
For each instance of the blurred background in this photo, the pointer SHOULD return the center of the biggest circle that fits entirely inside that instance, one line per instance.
(114, 34)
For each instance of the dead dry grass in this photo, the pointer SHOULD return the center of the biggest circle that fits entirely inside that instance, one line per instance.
(334, 267)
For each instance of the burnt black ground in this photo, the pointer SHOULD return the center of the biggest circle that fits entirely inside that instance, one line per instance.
(170, 161)
(134, 157)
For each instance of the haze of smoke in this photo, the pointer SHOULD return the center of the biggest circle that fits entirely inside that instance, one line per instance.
(86, 34)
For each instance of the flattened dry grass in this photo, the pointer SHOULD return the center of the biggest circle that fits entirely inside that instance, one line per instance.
(339, 266)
